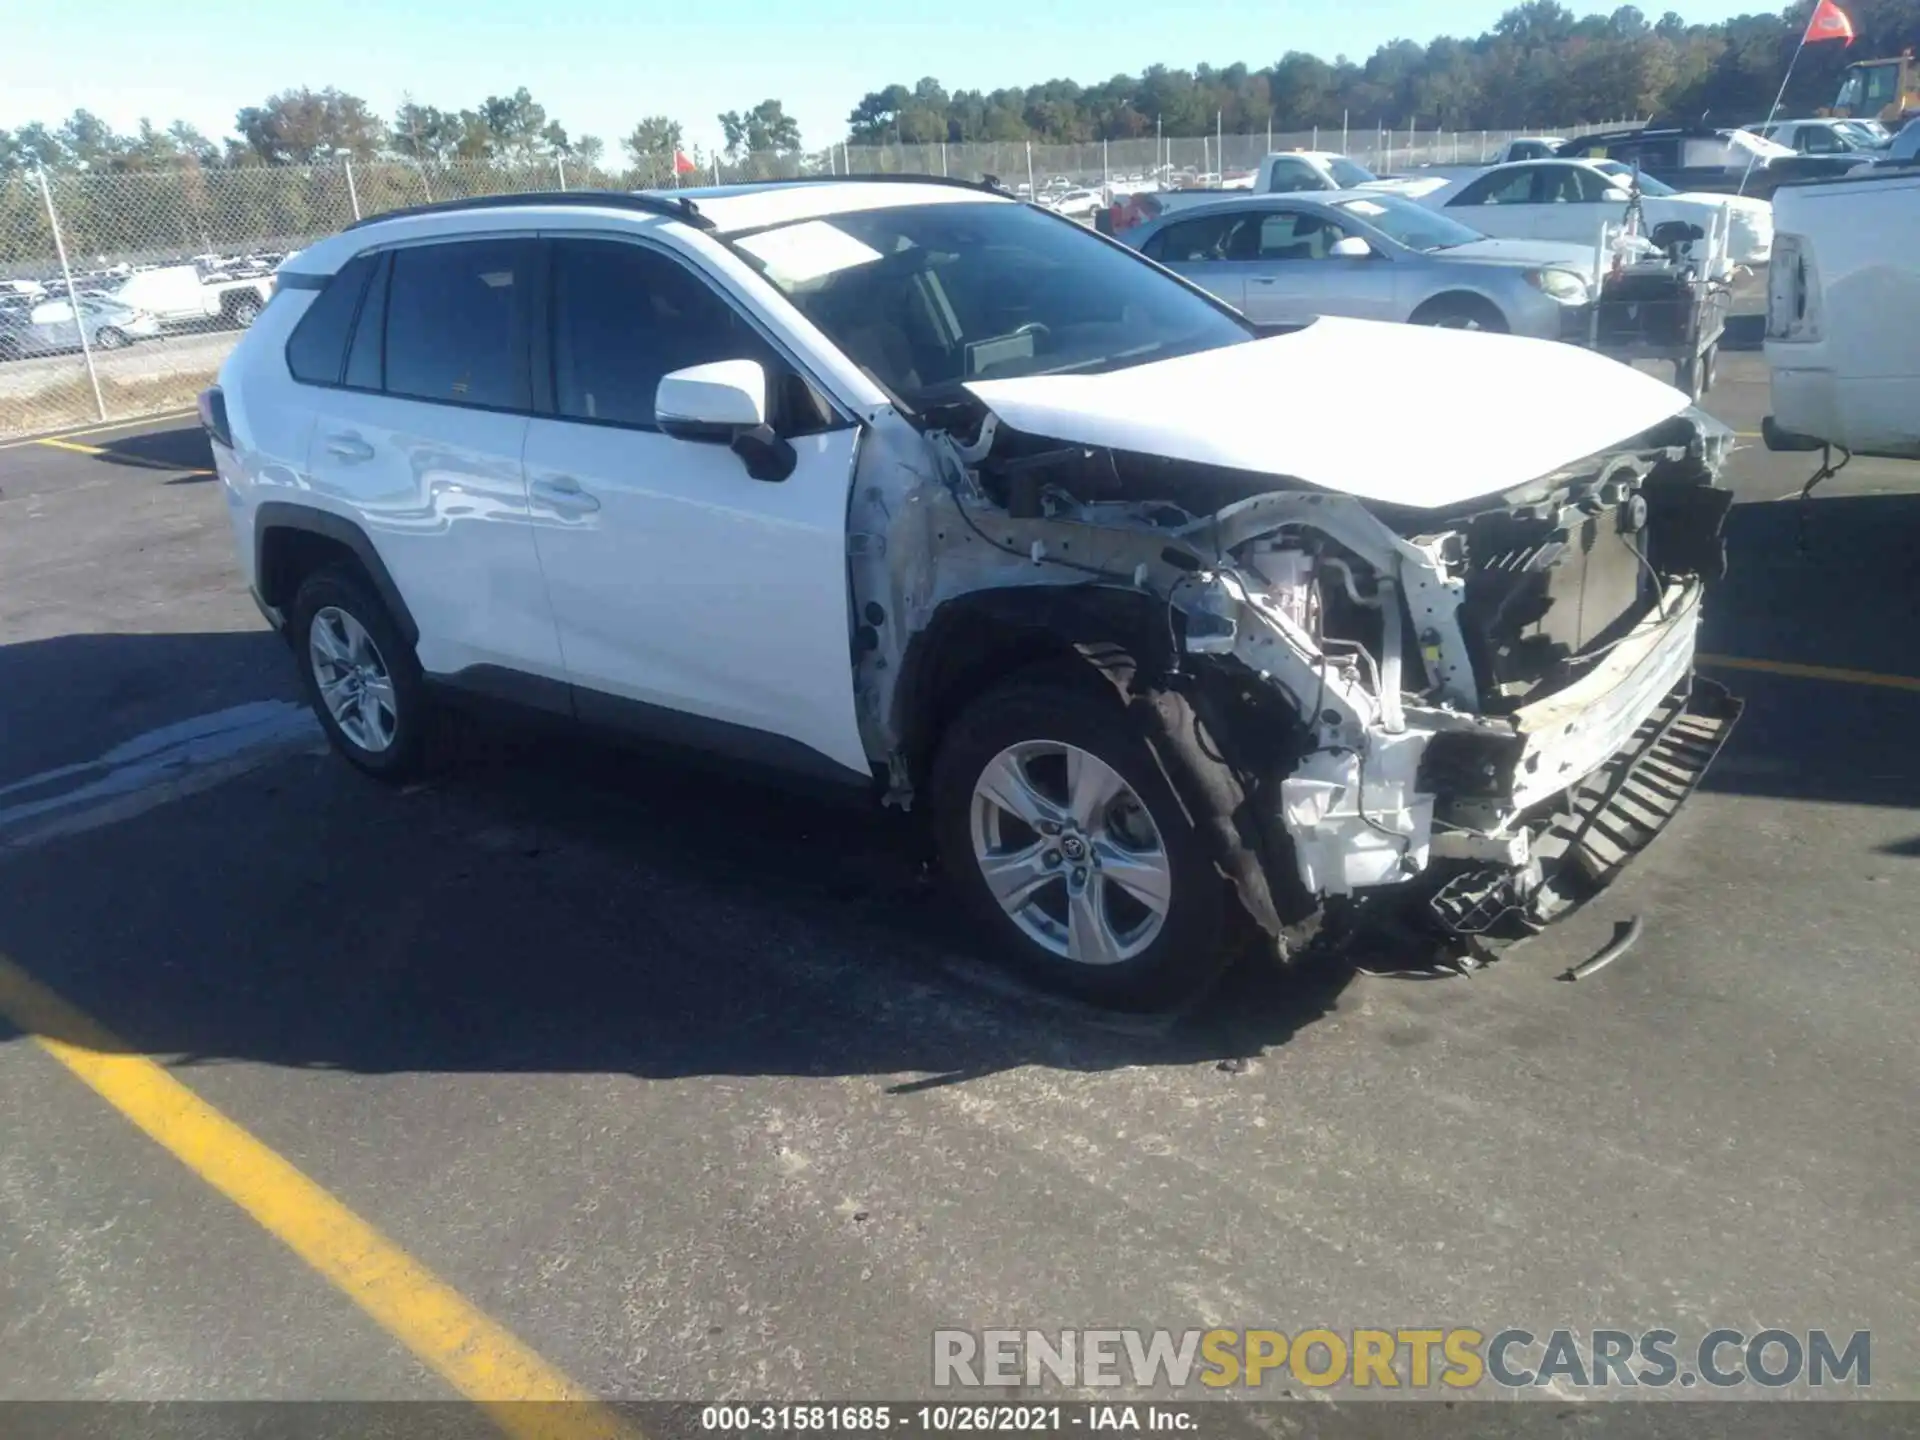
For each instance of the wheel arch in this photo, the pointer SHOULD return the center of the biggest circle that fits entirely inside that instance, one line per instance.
(291, 541)
(975, 641)
(1223, 741)
(1459, 297)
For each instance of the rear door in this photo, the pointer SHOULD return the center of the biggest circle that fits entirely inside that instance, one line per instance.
(1501, 203)
(1201, 250)
(692, 599)
(1294, 277)
(418, 436)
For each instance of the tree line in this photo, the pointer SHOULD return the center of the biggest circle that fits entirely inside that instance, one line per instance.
(309, 127)
(1540, 64)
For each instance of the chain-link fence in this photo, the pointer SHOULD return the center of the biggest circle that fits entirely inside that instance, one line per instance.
(120, 294)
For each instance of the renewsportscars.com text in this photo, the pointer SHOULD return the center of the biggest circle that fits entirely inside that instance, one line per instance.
(1459, 1358)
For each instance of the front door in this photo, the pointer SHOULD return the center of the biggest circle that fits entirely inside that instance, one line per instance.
(691, 598)
(1295, 276)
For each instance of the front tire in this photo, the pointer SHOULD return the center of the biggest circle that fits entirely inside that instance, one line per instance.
(359, 673)
(1461, 312)
(244, 311)
(1061, 834)
(108, 338)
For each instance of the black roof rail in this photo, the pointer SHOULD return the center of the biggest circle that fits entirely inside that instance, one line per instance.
(682, 209)
(991, 183)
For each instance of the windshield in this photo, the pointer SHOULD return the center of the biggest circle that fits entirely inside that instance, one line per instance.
(927, 297)
(1648, 185)
(1347, 175)
(1870, 133)
(1412, 225)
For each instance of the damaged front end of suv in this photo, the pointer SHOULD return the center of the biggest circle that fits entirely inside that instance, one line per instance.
(1446, 668)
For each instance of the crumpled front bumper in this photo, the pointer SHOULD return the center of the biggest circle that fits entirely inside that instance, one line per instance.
(1608, 818)
(1584, 777)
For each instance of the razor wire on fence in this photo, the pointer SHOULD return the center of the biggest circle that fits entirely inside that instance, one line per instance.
(121, 293)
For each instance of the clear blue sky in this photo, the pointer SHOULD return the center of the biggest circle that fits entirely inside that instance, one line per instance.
(598, 65)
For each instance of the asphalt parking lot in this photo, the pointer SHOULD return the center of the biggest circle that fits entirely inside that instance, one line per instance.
(695, 1090)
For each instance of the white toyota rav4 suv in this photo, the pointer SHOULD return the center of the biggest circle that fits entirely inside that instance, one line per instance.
(1175, 634)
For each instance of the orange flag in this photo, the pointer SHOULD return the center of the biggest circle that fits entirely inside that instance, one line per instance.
(1829, 22)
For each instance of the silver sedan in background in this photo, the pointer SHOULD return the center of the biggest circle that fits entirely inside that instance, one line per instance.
(1284, 259)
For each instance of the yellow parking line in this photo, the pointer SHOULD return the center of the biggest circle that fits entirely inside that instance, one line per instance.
(70, 445)
(471, 1352)
(102, 428)
(1812, 672)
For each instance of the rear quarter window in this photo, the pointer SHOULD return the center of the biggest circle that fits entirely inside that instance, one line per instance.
(317, 349)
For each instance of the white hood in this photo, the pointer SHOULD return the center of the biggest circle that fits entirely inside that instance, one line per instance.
(1398, 414)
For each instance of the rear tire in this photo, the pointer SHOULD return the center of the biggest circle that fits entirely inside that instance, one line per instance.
(1109, 891)
(1461, 312)
(359, 673)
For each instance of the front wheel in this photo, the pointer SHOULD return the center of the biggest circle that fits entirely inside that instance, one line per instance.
(108, 338)
(1057, 826)
(1461, 312)
(244, 311)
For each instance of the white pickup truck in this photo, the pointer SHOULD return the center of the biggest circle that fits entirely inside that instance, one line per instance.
(178, 296)
(1843, 311)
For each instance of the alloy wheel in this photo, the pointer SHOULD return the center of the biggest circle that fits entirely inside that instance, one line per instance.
(1070, 852)
(353, 679)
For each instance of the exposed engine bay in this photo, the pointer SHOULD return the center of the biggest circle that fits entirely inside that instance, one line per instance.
(1434, 689)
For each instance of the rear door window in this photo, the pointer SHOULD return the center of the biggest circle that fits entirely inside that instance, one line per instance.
(457, 323)
(1502, 187)
(317, 349)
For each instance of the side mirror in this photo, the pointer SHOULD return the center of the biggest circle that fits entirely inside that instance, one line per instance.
(1614, 195)
(1350, 247)
(711, 402)
(725, 401)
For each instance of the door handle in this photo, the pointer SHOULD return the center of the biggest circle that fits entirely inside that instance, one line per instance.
(1263, 279)
(350, 448)
(563, 492)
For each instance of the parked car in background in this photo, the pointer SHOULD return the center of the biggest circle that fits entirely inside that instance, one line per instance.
(1074, 204)
(913, 488)
(1286, 260)
(1287, 172)
(1527, 147)
(1843, 315)
(1828, 135)
(1697, 160)
(1571, 200)
(1902, 150)
(179, 295)
(51, 327)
